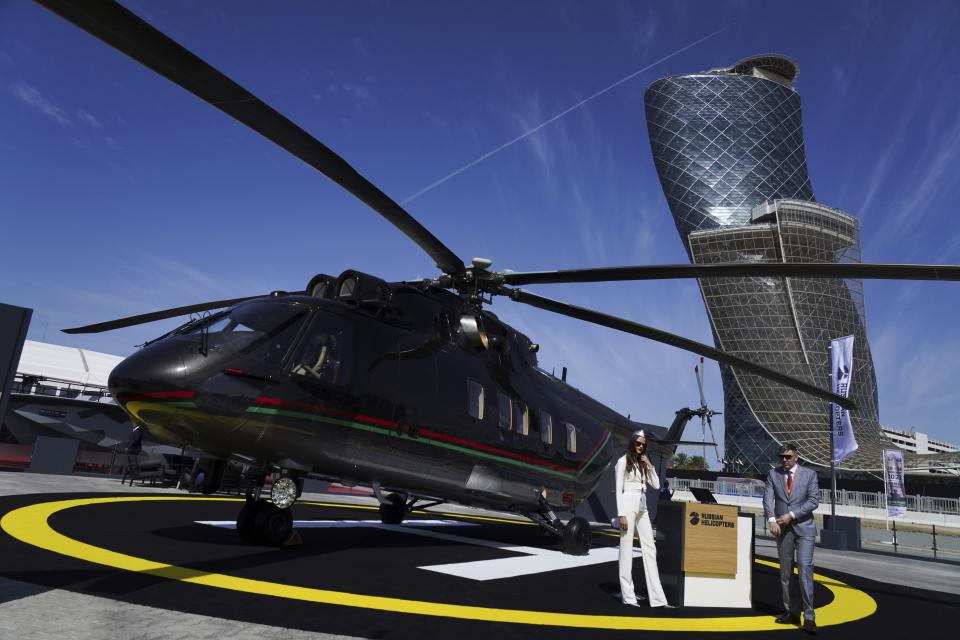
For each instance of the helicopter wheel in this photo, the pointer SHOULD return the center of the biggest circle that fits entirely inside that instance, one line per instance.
(270, 524)
(393, 509)
(212, 477)
(577, 537)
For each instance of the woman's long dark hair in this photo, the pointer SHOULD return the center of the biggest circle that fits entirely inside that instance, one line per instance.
(633, 460)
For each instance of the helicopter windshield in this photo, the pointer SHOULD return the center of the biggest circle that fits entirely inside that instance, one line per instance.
(261, 331)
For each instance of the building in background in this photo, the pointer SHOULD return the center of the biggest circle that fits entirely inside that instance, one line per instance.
(916, 442)
(61, 393)
(729, 152)
(920, 443)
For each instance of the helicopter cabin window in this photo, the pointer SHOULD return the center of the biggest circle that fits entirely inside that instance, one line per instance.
(521, 418)
(324, 351)
(506, 411)
(571, 437)
(475, 399)
(546, 428)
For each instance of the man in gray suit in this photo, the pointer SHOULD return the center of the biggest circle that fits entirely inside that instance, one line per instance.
(789, 500)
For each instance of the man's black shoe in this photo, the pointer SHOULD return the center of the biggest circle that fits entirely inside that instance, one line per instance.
(786, 618)
(811, 627)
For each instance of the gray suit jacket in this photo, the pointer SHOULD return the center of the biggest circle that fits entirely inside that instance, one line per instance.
(804, 498)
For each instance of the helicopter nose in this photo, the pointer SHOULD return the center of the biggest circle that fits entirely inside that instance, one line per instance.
(153, 371)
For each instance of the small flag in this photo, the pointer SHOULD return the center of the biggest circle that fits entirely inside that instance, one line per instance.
(841, 359)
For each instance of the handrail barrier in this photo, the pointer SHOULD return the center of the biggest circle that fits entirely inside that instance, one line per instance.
(861, 499)
(919, 537)
(55, 387)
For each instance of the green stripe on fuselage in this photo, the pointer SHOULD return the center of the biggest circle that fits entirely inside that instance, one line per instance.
(436, 443)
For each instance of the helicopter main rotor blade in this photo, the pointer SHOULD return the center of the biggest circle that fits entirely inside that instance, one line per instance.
(740, 270)
(672, 339)
(124, 31)
(144, 318)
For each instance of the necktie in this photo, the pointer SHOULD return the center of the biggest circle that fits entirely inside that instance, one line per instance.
(789, 481)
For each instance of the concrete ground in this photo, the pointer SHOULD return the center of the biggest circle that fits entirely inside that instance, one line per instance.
(36, 612)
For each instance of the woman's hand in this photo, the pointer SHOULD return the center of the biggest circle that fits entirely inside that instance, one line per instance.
(623, 523)
(645, 460)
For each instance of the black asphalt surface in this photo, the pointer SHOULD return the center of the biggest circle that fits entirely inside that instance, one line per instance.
(379, 562)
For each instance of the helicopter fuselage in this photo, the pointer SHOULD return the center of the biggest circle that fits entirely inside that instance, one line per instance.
(389, 391)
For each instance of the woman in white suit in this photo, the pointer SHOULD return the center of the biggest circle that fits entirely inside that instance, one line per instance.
(634, 475)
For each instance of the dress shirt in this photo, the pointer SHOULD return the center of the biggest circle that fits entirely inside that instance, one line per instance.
(788, 479)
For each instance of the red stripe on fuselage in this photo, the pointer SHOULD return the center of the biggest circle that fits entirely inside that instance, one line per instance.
(299, 406)
(500, 452)
(276, 402)
(589, 456)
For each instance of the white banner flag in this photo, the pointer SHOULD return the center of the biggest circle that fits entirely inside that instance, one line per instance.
(841, 359)
(893, 483)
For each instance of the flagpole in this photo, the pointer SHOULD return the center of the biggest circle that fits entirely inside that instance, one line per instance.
(833, 464)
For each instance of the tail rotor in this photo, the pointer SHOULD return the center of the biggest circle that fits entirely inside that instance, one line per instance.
(705, 413)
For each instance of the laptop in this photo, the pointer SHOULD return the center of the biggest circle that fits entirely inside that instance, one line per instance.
(703, 495)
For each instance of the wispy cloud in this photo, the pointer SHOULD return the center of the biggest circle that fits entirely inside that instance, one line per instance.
(928, 377)
(889, 156)
(185, 274)
(561, 114)
(919, 188)
(361, 94)
(88, 119)
(645, 30)
(32, 97)
(526, 117)
(841, 80)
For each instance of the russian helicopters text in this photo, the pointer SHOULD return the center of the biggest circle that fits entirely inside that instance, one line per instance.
(410, 387)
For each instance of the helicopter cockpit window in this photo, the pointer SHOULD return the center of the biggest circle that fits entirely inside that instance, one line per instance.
(546, 428)
(506, 411)
(324, 352)
(571, 437)
(475, 399)
(261, 331)
(521, 418)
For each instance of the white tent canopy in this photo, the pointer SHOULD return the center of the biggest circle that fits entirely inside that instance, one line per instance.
(69, 364)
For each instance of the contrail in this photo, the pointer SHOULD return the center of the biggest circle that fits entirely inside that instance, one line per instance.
(558, 116)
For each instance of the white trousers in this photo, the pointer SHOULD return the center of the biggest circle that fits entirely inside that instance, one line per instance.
(640, 523)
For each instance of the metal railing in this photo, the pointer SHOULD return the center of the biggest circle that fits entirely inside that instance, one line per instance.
(54, 387)
(917, 540)
(862, 499)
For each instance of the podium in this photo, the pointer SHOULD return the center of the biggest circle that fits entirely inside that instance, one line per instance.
(705, 554)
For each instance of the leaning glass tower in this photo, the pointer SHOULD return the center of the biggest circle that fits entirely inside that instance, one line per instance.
(728, 148)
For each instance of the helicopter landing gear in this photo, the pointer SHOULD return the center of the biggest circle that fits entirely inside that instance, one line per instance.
(263, 522)
(209, 476)
(575, 536)
(271, 522)
(393, 508)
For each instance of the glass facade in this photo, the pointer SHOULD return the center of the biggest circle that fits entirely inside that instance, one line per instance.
(728, 148)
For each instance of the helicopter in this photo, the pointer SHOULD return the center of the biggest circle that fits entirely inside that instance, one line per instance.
(411, 387)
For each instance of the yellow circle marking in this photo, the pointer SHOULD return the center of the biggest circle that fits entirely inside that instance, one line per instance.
(30, 524)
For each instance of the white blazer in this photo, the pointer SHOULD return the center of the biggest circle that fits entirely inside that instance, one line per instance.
(631, 501)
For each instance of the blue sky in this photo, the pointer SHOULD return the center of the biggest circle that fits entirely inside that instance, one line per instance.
(120, 193)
